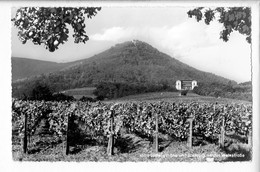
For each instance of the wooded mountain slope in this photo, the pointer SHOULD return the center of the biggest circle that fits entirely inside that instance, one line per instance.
(132, 62)
(23, 67)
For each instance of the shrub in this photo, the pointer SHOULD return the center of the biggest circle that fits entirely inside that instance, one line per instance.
(62, 97)
(86, 99)
(114, 90)
(40, 91)
(184, 92)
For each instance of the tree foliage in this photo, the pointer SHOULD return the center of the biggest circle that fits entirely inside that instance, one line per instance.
(116, 89)
(232, 18)
(228, 90)
(39, 90)
(49, 25)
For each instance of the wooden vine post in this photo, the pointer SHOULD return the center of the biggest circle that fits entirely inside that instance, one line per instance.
(189, 141)
(249, 130)
(67, 142)
(25, 134)
(249, 142)
(249, 133)
(222, 134)
(214, 112)
(67, 147)
(156, 137)
(110, 146)
(222, 131)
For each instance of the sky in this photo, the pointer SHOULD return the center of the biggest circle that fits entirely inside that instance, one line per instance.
(169, 29)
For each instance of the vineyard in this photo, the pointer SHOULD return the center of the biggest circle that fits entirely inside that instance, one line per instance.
(106, 123)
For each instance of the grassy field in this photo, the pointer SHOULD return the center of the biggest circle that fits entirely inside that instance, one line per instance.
(175, 97)
(77, 93)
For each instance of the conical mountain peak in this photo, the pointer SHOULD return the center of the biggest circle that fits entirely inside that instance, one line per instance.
(131, 62)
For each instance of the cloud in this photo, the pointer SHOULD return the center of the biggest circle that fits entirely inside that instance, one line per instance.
(112, 34)
(179, 39)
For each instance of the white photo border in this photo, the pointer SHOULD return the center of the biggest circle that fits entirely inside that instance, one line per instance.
(6, 162)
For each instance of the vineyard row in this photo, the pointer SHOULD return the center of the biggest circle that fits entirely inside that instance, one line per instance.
(179, 120)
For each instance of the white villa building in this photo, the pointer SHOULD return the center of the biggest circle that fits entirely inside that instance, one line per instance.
(186, 84)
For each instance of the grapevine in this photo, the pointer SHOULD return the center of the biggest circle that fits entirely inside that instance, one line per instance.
(135, 117)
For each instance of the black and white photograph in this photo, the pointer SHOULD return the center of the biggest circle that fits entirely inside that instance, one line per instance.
(133, 82)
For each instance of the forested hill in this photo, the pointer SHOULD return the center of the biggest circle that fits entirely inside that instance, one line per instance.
(132, 62)
(23, 67)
